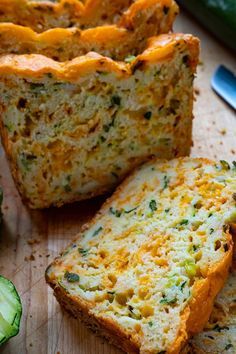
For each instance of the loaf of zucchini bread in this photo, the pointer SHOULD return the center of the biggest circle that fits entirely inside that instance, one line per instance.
(144, 272)
(73, 130)
(116, 41)
(219, 335)
(43, 15)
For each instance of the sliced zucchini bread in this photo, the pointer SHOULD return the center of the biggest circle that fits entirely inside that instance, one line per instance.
(73, 130)
(145, 271)
(43, 15)
(116, 41)
(219, 335)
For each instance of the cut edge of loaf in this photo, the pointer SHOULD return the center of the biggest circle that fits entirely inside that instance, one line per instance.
(201, 306)
(195, 314)
(36, 66)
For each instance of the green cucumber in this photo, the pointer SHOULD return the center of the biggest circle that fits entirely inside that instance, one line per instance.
(217, 16)
(10, 310)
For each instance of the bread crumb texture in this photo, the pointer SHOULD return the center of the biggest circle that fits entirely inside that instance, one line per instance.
(73, 130)
(147, 268)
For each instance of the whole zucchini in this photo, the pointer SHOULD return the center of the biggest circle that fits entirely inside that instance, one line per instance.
(218, 16)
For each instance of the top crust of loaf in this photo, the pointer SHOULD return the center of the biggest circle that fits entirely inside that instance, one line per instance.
(152, 190)
(128, 38)
(41, 16)
(159, 49)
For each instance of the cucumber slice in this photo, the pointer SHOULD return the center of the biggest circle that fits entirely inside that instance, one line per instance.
(10, 310)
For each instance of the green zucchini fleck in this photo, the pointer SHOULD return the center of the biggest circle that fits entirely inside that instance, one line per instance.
(71, 277)
(184, 222)
(130, 58)
(166, 300)
(153, 205)
(66, 184)
(83, 252)
(115, 212)
(26, 160)
(166, 182)
(148, 115)
(115, 100)
(225, 165)
(96, 232)
(218, 328)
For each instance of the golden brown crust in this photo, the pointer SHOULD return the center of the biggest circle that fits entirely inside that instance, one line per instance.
(107, 330)
(35, 66)
(116, 41)
(64, 44)
(68, 13)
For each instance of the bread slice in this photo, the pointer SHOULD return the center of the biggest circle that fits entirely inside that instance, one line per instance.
(145, 271)
(129, 38)
(219, 335)
(73, 130)
(41, 16)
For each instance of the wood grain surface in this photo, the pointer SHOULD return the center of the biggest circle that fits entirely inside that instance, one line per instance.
(30, 240)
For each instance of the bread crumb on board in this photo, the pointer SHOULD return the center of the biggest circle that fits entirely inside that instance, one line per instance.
(33, 241)
(223, 131)
(29, 258)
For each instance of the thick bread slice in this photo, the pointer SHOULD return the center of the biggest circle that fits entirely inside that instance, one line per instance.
(41, 16)
(143, 20)
(73, 130)
(219, 335)
(145, 271)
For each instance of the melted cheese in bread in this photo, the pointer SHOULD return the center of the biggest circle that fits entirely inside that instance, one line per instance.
(144, 262)
(73, 130)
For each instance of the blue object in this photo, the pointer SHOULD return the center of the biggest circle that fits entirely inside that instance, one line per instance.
(224, 83)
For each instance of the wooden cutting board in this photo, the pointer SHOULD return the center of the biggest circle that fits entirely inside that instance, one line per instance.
(31, 239)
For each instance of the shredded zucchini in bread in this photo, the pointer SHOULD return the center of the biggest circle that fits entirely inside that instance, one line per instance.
(129, 14)
(73, 130)
(145, 271)
(219, 335)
